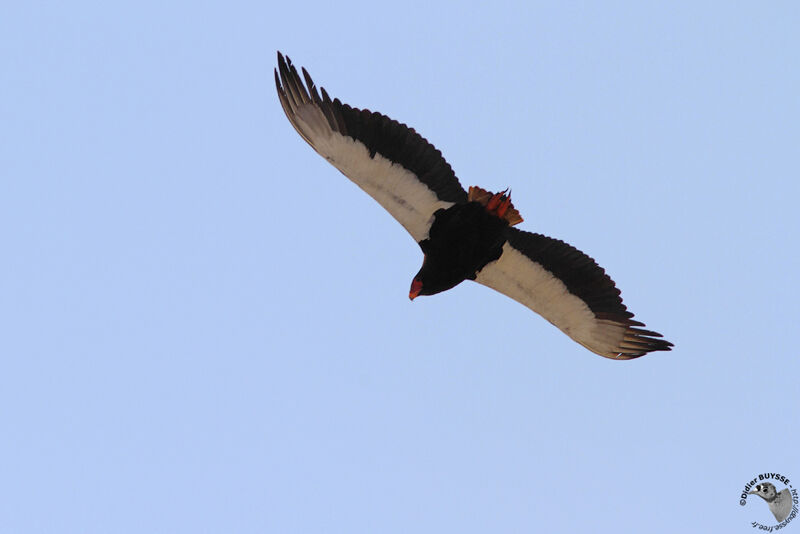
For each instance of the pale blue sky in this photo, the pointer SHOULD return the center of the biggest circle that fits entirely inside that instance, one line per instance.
(206, 328)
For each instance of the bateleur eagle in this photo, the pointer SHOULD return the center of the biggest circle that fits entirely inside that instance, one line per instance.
(464, 235)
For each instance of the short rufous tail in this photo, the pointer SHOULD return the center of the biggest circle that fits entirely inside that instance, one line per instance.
(498, 204)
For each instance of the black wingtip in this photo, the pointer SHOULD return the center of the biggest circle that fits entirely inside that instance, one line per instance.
(640, 344)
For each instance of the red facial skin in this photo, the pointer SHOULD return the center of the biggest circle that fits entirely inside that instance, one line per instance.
(416, 287)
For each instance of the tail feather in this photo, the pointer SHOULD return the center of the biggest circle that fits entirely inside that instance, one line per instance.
(498, 204)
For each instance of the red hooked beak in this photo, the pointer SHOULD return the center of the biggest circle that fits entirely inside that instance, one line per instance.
(416, 287)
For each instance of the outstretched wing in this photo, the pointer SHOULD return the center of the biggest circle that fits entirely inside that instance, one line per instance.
(390, 161)
(569, 289)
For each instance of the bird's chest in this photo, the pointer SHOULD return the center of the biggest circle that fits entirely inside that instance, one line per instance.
(464, 238)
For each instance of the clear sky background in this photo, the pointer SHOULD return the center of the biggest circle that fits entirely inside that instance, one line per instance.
(204, 327)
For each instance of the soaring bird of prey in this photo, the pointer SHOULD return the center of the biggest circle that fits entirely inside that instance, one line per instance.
(464, 235)
(780, 504)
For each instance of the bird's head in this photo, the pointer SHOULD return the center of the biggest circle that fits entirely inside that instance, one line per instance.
(416, 288)
(766, 491)
(431, 279)
(435, 276)
(420, 285)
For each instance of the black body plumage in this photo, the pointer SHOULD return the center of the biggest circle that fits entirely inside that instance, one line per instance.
(463, 240)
